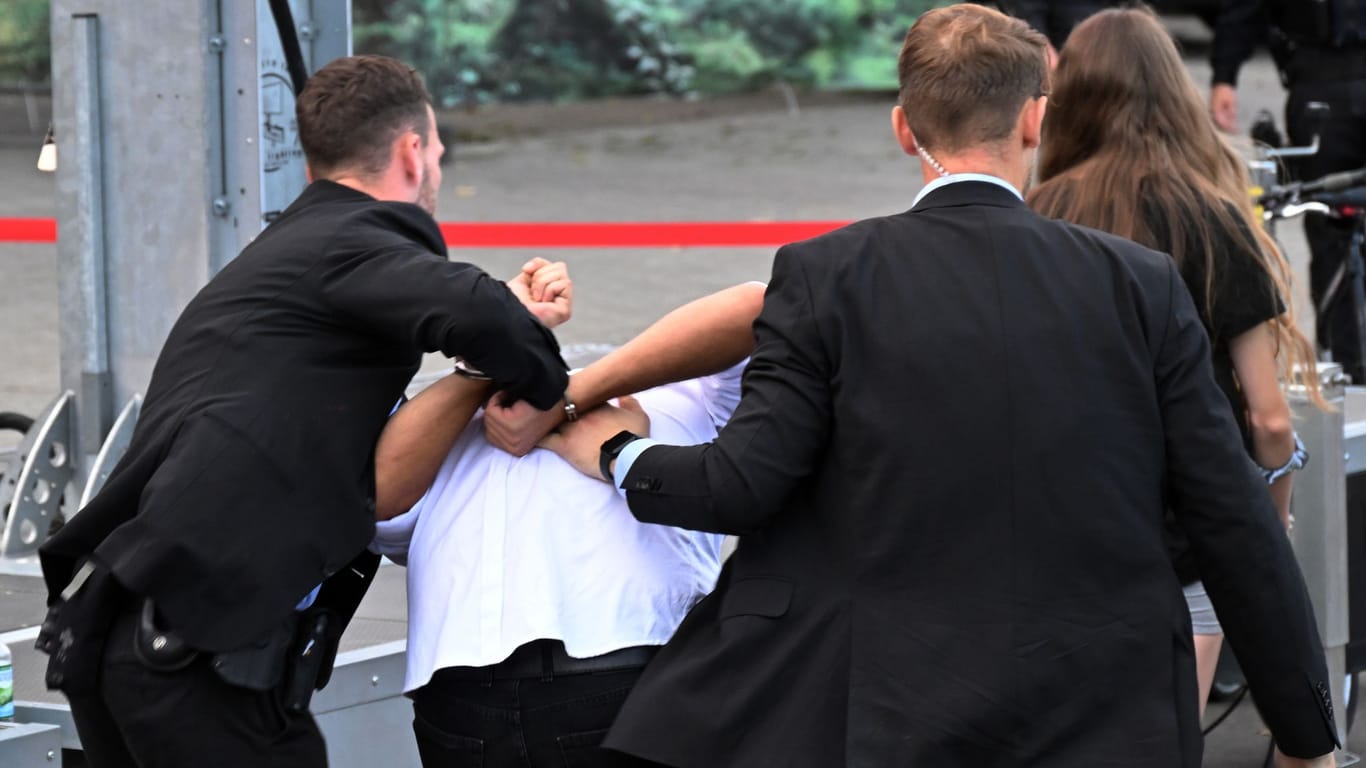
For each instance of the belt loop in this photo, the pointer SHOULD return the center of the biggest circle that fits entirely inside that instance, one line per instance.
(547, 664)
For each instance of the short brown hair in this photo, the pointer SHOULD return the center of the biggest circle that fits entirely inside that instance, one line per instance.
(351, 110)
(965, 72)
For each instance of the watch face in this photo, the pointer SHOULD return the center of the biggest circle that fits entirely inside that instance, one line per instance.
(611, 449)
(617, 442)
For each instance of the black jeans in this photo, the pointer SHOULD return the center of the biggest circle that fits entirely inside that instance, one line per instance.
(1342, 148)
(538, 722)
(189, 717)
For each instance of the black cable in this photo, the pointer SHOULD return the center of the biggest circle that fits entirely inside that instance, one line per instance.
(1237, 699)
(289, 39)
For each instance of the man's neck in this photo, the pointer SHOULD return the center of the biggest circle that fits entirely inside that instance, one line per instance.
(380, 188)
(975, 161)
(354, 182)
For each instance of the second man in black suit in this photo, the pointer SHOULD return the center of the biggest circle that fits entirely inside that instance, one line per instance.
(959, 431)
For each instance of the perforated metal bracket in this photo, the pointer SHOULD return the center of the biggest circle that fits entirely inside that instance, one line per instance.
(115, 444)
(44, 469)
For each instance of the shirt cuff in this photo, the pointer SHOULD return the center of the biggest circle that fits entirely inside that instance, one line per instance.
(626, 458)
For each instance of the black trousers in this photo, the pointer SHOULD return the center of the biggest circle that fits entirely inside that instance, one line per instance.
(467, 720)
(1342, 148)
(189, 717)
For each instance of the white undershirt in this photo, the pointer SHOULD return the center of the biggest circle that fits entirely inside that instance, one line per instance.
(502, 551)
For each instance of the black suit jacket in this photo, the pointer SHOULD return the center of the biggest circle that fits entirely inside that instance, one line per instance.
(958, 433)
(250, 475)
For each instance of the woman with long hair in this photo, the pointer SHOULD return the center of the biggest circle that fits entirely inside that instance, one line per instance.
(1129, 148)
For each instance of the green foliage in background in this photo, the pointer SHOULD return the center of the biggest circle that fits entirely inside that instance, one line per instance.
(25, 46)
(502, 50)
(475, 51)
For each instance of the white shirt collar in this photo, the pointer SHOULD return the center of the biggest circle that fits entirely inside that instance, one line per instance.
(954, 178)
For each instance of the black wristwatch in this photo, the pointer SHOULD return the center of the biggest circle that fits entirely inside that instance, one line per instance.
(612, 449)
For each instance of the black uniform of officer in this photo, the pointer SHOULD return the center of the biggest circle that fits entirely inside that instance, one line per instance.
(1320, 49)
(1054, 18)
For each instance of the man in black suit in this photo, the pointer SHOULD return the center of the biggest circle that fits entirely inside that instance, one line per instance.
(959, 431)
(1320, 51)
(232, 535)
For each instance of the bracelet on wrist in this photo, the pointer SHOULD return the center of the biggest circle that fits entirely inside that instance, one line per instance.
(571, 411)
(1298, 458)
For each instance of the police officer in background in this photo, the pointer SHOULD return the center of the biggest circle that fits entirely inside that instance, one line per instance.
(1054, 18)
(1320, 49)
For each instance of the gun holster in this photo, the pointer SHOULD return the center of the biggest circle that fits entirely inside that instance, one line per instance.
(298, 656)
(310, 659)
(156, 648)
(261, 665)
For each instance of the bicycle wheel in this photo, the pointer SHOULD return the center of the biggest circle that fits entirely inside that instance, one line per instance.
(16, 422)
(12, 422)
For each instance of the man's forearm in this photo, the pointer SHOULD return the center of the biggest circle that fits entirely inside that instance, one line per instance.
(1240, 24)
(698, 339)
(500, 337)
(417, 438)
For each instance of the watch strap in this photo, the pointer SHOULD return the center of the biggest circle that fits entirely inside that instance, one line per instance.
(611, 449)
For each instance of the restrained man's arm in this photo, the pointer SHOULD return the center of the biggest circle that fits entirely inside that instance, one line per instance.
(770, 445)
(700, 338)
(417, 438)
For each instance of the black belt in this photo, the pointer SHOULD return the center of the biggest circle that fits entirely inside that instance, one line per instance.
(547, 658)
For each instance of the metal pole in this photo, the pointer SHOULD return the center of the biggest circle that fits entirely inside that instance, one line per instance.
(96, 396)
(128, 95)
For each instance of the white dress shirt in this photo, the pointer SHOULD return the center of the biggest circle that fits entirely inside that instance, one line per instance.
(502, 550)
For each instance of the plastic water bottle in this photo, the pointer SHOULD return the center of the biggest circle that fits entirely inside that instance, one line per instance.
(6, 685)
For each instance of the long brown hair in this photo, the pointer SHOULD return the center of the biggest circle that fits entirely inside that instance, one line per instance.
(1129, 148)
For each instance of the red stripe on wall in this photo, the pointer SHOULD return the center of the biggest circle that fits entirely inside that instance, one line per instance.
(513, 234)
(28, 230)
(664, 234)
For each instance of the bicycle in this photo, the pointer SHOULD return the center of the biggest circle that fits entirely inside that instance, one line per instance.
(1340, 196)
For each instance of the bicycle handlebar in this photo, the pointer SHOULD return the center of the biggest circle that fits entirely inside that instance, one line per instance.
(1354, 197)
(1283, 194)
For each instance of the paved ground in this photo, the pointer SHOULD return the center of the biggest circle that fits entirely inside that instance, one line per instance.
(831, 159)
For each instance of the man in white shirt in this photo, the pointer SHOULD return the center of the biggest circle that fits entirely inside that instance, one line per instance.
(534, 597)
